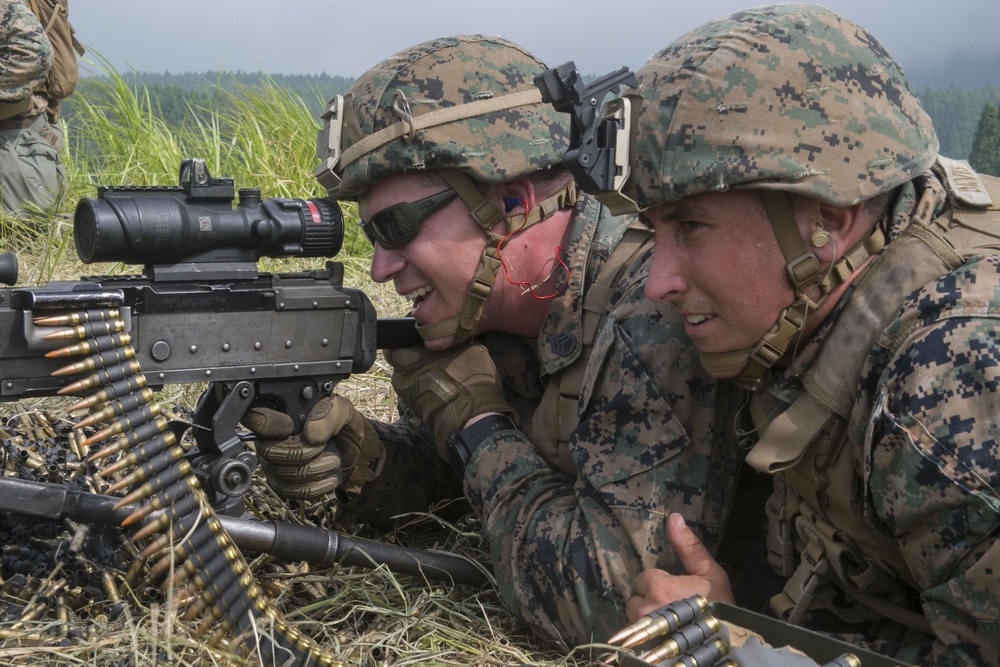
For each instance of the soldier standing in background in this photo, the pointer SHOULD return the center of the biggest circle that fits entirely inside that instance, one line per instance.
(38, 68)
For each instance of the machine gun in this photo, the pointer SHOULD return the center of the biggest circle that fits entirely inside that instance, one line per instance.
(202, 312)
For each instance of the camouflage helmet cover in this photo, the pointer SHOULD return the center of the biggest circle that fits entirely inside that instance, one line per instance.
(788, 97)
(494, 147)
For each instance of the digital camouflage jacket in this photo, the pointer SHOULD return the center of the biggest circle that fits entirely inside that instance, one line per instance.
(897, 503)
(565, 551)
(25, 58)
(650, 441)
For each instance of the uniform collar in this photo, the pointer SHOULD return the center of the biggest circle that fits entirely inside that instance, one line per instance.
(560, 340)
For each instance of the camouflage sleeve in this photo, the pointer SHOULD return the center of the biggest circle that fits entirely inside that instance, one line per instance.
(25, 52)
(933, 479)
(565, 552)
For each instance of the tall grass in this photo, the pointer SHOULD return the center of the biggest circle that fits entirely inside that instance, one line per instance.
(263, 137)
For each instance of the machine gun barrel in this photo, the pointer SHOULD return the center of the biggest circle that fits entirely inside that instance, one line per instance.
(282, 539)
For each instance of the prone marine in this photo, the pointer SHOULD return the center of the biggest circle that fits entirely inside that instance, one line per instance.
(825, 257)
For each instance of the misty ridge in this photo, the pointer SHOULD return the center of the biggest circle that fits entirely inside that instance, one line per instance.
(954, 95)
(961, 71)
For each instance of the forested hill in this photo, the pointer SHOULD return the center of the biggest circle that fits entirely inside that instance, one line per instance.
(955, 110)
(314, 89)
(180, 99)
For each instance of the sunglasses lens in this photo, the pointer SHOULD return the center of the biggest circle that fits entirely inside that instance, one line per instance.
(392, 227)
(399, 224)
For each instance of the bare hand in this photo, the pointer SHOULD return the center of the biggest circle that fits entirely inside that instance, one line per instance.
(655, 588)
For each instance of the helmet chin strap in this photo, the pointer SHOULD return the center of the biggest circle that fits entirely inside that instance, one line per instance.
(486, 214)
(804, 270)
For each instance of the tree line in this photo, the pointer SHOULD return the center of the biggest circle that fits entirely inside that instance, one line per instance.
(184, 99)
(179, 99)
(956, 112)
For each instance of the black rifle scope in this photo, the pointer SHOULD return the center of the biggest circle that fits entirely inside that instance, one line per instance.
(196, 222)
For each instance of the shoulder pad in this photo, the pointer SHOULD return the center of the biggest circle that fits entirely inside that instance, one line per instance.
(963, 183)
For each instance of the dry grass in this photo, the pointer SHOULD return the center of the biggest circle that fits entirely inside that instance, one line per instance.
(364, 616)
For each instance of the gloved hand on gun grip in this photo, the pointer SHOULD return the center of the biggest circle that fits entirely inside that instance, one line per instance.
(446, 389)
(337, 447)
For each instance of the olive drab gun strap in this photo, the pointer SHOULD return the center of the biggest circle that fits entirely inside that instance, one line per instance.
(557, 414)
(805, 441)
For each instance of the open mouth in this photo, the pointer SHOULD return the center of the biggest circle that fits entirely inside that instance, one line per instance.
(418, 295)
(695, 320)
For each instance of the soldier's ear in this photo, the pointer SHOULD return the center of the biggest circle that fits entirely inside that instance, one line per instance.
(847, 227)
(830, 231)
(514, 198)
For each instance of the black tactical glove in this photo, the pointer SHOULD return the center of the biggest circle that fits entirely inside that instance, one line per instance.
(446, 389)
(337, 447)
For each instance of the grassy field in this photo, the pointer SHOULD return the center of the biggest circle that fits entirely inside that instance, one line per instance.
(265, 139)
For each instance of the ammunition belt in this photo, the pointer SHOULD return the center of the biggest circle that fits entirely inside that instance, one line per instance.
(195, 552)
(695, 637)
(692, 636)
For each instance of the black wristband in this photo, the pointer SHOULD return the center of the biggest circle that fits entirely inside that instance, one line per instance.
(462, 444)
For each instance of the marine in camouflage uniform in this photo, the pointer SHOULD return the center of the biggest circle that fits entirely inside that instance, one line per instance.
(568, 526)
(30, 170)
(650, 442)
(876, 391)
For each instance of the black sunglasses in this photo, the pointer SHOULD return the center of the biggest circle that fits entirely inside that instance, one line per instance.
(399, 224)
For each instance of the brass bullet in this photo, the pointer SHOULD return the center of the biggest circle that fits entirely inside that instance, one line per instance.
(160, 482)
(845, 660)
(123, 387)
(705, 655)
(179, 553)
(140, 434)
(32, 611)
(101, 377)
(106, 359)
(148, 451)
(193, 541)
(10, 633)
(176, 508)
(126, 422)
(117, 407)
(62, 615)
(686, 637)
(91, 346)
(155, 546)
(109, 586)
(667, 618)
(196, 609)
(87, 330)
(132, 576)
(77, 317)
(163, 521)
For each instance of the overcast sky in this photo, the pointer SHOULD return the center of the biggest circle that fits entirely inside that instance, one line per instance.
(346, 38)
